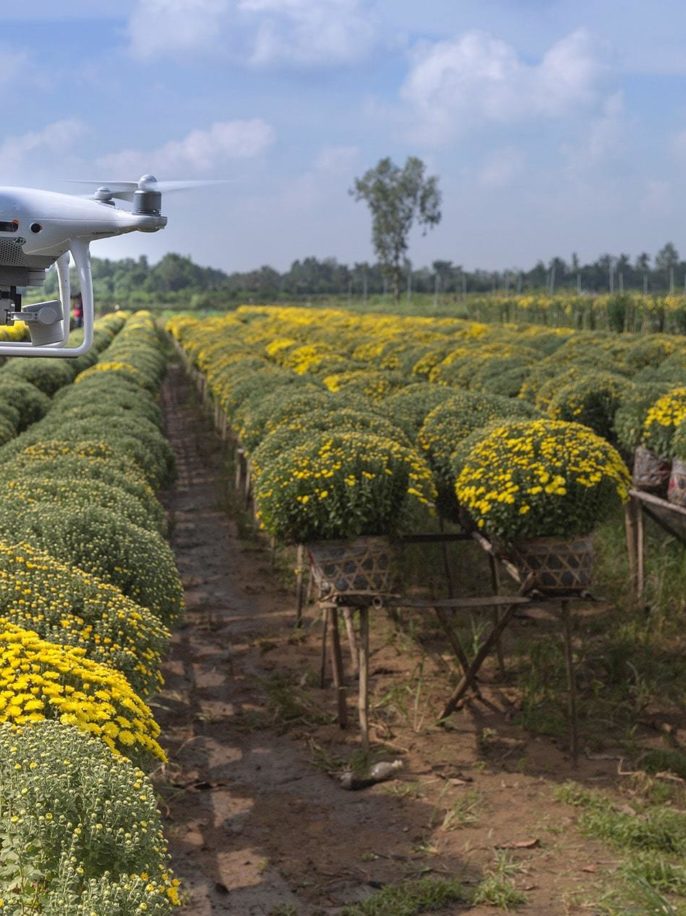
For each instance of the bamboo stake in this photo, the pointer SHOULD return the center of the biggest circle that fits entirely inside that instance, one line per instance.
(363, 697)
(322, 666)
(337, 667)
(571, 682)
(352, 639)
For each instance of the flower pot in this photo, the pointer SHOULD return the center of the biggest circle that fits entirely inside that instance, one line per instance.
(650, 472)
(556, 566)
(676, 492)
(365, 565)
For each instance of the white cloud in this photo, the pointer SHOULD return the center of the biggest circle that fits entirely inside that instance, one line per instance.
(310, 32)
(501, 167)
(261, 32)
(477, 78)
(159, 27)
(600, 138)
(53, 140)
(337, 160)
(198, 152)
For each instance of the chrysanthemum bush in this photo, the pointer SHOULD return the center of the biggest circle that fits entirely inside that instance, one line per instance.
(541, 478)
(259, 416)
(67, 606)
(593, 400)
(448, 424)
(410, 406)
(662, 421)
(73, 465)
(42, 680)
(99, 541)
(80, 833)
(63, 493)
(300, 429)
(632, 411)
(342, 485)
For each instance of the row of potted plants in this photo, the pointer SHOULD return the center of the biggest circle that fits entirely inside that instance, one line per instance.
(88, 588)
(315, 438)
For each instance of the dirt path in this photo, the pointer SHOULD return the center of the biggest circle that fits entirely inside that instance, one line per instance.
(255, 826)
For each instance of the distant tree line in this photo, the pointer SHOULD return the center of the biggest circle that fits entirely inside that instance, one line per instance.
(177, 281)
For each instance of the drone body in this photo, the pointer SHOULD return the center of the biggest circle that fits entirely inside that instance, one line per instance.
(42, 228)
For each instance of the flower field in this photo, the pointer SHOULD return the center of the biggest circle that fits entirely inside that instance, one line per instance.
(356, 424)
(353, 426)
(88, 590)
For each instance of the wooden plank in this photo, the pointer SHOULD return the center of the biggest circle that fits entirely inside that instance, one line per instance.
(439, 538)
(459, 604)
(657, 501)
(672, 525)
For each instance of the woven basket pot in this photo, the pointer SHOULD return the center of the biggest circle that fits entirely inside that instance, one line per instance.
(676, 492)
(365, 565)
(650, 473)
(556, 566)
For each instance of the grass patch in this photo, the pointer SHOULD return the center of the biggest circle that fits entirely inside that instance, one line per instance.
(655, 829)
(498, 887)
(464, 811)
(653, 841)
(410, 898)
(288, 704)
(665, 760)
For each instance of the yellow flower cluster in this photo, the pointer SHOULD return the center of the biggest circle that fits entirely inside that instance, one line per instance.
(541, 478)
(66, 605)
(662, 420)
(39, 680)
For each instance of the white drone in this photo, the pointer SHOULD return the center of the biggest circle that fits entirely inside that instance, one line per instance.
(41, 228)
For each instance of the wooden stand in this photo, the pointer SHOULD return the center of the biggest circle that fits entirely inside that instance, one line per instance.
(670, 517)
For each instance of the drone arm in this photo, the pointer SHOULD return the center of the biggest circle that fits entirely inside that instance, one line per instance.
(62, 265)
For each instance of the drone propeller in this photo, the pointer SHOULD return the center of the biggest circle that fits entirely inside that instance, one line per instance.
(125, 190)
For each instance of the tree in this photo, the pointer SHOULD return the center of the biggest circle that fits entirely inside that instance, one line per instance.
(666, 260)
(396, 198)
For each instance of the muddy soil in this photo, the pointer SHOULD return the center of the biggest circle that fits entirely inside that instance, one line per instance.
(256, 822)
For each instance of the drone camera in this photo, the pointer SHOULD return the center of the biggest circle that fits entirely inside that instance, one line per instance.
(45, 320)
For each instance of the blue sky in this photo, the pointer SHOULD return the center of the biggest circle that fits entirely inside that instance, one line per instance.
(554, 126)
